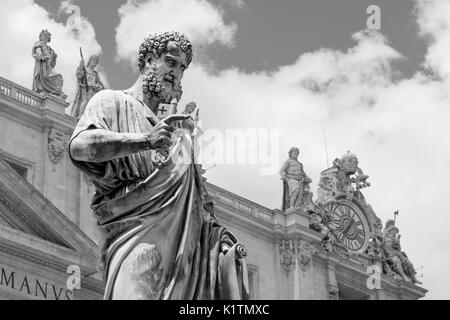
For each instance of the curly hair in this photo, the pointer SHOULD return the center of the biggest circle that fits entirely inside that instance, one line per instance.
(156, 44)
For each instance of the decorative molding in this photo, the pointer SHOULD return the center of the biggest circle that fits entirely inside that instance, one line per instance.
(27, 222)
(60, 267)
(296, 251)
(20, 94)
(287, 255)
(29, 165)
(305, 252)
(239, 204)
(25, 106)
(32, 258)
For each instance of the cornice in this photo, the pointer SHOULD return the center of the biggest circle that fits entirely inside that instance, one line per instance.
(244, 224)
(88, 283)
(48, 216)
(28, 107)
(30, 221)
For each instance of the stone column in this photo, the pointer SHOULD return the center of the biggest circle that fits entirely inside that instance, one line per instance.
(296, 216)
(333, 289)
(296, 260)
(304, 270)
(288, 266)
(55, 142)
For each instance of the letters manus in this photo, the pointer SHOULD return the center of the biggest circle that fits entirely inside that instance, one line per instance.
(31, 286)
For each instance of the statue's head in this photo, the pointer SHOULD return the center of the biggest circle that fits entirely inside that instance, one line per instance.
(349, 163)
(389, 223)
(294, 153)
(190, 107)
(45, 36)
(163, 58)
(390, 227)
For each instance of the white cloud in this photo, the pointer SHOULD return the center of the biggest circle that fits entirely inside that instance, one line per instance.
(21, 21)
(399, 130)
(397, 127)
(198, 19)
(433, 18)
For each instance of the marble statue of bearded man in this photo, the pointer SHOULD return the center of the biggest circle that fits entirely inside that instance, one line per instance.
(162, 239)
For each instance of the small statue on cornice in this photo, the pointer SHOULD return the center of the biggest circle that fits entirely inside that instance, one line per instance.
(45, 79)
(296, 192)
(396, 260)
(344, 177)
(89, 83)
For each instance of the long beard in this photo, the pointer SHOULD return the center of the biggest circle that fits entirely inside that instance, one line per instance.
(153, 87)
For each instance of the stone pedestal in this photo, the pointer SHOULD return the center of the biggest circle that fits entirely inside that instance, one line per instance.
(297, 216)
(55, 104)
(292, 218)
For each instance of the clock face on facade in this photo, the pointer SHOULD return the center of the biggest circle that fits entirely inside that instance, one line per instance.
(349, 225)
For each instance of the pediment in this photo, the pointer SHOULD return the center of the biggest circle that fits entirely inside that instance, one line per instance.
(25, 209)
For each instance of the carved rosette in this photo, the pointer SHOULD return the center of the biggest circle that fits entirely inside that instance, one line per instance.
(292, 251)
(57, 142)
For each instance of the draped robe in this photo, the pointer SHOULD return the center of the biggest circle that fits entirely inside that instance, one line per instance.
(295, 176)
(44, 77)
(84, 94)
(162, 239)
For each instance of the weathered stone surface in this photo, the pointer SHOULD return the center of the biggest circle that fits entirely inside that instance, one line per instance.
(89, 84)
(164, 241)
(36, 234)
(45, 79)
(296, 192)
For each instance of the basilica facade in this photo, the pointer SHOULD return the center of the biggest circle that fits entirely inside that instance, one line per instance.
(49, 240)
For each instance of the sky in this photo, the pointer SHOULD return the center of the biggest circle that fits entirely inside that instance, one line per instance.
(305, 71)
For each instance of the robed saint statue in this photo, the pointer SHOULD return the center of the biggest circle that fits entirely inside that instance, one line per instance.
(162, 239)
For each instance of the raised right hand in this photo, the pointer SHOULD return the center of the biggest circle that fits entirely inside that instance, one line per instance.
(159, 137)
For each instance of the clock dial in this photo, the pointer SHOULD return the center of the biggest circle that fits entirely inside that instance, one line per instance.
(349, 225)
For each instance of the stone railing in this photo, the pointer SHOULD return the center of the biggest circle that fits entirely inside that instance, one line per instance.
(19, 93)
(238, 204)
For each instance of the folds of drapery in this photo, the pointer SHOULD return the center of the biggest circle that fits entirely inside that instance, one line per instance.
(175, 250)
(84, 94)
(43, 79)
(161, 241)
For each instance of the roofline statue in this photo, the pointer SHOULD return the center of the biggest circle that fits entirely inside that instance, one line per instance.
(45, 79)
(296, 192)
